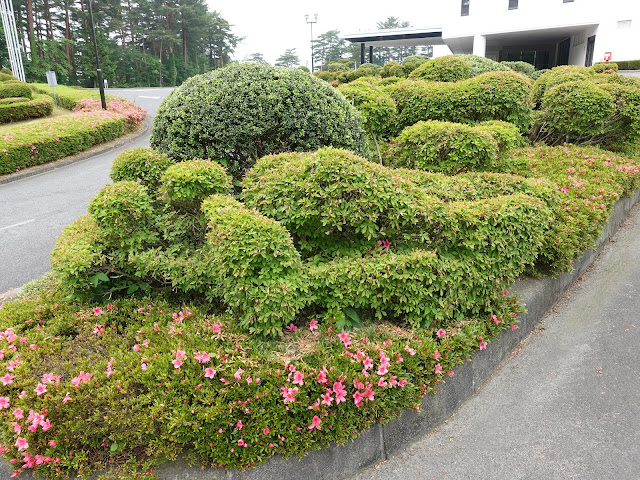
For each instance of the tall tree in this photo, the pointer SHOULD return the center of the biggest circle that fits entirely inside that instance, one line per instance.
(288, 59)
(329, 47)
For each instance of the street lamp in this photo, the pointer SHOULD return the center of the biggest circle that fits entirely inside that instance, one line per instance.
(311, 22)
(95, 46)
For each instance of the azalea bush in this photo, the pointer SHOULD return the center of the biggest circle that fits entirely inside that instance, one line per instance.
(128, 385)
(68, 97)
(22, 108)
(50, 139)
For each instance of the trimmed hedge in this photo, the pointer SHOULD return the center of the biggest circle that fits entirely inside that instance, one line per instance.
(392, 69)
(240, 113)
(602, 67)
(376, 106)
(479, 65)
(491, 96)
(15, 89)
(628, 64)
(442, 69)
(68, 97)
(23, 108)
(187, 184)
(140, 164)
(558, 75)
(443, 147)
(524, 68)
(412, 62)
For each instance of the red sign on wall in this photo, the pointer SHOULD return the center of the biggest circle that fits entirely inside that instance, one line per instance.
(608, 56)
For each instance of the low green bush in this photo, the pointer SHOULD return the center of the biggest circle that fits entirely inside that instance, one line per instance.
(68, 97)
(240, 113)
(7, 77)
(187, 184)
(15, 89)
(602, 67)
(326, 76)
(412, 62)
(506, 134)
(376, 106)
(585, 112)
(491, 96)
(479, 65)
(538, 73)
(443, 147)
(23, 108)
(558, 75)
(392, 69)
(524, 68)
(140, 164)
(6, 70)
(338, 67)
(442, 69)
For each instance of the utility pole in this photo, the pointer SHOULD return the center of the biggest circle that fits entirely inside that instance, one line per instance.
(311, 22)
(95, 46)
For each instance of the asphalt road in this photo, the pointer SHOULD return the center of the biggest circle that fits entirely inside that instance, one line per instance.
(35, 210)
(566, 406)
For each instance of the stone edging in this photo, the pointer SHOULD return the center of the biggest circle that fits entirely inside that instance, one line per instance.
(78, 157)
(381, 441)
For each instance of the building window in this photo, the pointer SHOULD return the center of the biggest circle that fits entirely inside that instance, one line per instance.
(464, 10)
(513, 4)
(567, 1)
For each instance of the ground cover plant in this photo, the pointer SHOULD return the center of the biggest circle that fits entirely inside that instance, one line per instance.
(191, 313)
(50, 139)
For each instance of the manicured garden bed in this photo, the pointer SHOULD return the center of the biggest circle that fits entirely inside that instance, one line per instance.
(295, 299)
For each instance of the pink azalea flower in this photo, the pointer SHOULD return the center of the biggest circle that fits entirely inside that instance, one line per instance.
(97, 311)
(436, 354)
(202, 357)
(514, 327)
(292, 328)
(313, 325)
(298, 378)
(136, 348)
(322, 377)
(238, 374)
(177, 363)
(265, 431)
(483, 345)
(288, 394)
(382, 382)
(239, 425)
(66, 398)
(52, 443)
(209, 373)
(357, 398)
(17, 428)
(327, 398)
(240, 442)
(143, 366)
(18, 414)
(409, 350)
(315, 423)
(7, 379)
(438, 369)
(440, 333)
(368, 363)
(382, 370)
(40, 389)
(340, 391)
(346, 339)
(21, 443)
(4, 402)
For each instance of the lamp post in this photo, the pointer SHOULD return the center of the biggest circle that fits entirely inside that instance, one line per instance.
(311, 22)
(95, 46)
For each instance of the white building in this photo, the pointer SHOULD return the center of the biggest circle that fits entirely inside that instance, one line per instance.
(545, 33)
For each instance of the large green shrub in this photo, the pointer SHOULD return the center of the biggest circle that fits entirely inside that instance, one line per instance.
(506, 134)
(140, 164)
(187, 184)
(601, 67)
(524, 68)
(443, 147)
(558, 75)
(479, 65)
(442, 69)
(392, 69)
(240, 113)
(490, 96)
(376, 106)
(412, 62)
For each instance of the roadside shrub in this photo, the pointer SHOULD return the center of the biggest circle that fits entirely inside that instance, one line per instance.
(15, 89)
(628, 64)
(188, 183)
(524, 68)
(506, 134)
(491, 96)
(602, 67)
(585, 112)
(140, 164)
(392, 69)
(336, 203)
(556, 76)
(376, 106)
(479, 65)
(412, 62)
(442, 69)
(443, 147)
(23, 108)
(240, 113)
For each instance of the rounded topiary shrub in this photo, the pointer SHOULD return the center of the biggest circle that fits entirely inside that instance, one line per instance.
(479, 65)
(506, 134)
(240, 113)
(602, 67)
(15, 89)
(443, 147)
(140, 164)
(392, 69)
(409, 64)
(442, 69)
(558, 75)
(524, 68)
(376, 106)
(189, 183)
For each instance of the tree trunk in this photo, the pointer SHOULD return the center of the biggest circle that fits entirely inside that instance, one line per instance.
(67, 36)
(48, 22)
(184, 41)
(133, 38)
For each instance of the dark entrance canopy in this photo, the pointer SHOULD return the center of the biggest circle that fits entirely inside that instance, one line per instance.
(406, 37)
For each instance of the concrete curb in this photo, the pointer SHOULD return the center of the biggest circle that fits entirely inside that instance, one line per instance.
(84, 155)
(381, 441)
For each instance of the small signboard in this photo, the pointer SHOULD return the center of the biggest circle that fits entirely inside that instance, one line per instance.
(51, 78)
(608, 56)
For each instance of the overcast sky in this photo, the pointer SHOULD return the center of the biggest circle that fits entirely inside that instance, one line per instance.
(271, 27)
